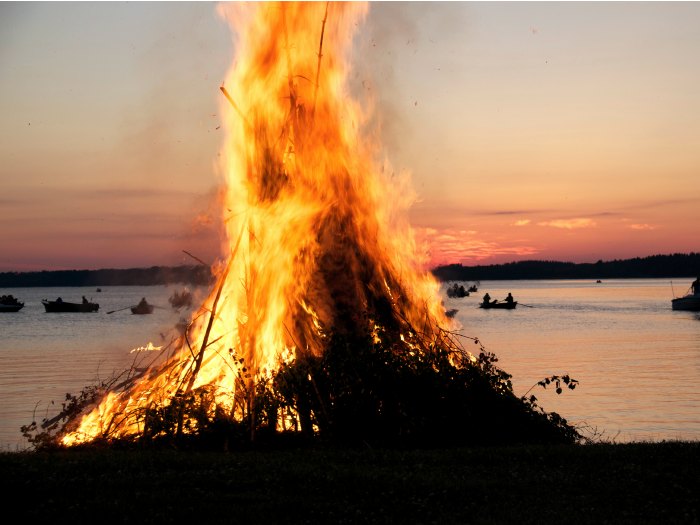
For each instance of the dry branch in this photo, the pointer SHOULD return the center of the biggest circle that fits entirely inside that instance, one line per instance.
(235, 106)
(196, 259)
(318, 66)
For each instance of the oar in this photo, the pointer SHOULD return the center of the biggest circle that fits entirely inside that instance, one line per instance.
(120, 309)
(528, 305)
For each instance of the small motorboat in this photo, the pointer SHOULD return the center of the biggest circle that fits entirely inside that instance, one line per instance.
(690, 303)
(9, 303)
(59, 305)
(457, 290)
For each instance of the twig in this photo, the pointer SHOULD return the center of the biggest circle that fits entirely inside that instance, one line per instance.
(240, 113)
(318, 66)
(197, 259)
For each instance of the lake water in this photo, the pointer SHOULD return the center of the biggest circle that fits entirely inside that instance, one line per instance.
(44, 356)
(636, 360)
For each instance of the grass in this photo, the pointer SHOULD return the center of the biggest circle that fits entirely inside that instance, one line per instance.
(599, 483)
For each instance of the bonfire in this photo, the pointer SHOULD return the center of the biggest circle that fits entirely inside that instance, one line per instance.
(323, 321)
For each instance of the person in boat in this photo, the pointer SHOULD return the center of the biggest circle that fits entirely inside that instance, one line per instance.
(85, 301)
(143, 302)
(509, 299)
(59, 300)
(487, 299)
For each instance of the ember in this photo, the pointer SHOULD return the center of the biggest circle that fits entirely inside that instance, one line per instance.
(321, 312)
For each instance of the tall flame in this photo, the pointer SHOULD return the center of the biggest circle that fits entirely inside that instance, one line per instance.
(317, 237)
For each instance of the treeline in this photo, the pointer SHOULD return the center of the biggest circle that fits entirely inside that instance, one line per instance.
(193, 275)
(655, 266)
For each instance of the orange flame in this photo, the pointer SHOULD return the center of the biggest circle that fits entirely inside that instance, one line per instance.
(317, 234)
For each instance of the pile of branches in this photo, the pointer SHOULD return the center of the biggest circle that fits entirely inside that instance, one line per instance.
(367, 389)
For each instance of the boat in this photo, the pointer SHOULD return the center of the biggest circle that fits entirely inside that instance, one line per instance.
(689, 302)
(457, 290)
(503, 306)
(142, 308)
(179, 299)
(9, 303)
(59, 305)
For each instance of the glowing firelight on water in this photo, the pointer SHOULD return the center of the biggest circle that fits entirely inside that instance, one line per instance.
(317, 236)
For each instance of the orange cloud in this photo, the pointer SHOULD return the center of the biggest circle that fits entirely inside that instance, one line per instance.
(522, 222)
(642, 227)
(569, 224)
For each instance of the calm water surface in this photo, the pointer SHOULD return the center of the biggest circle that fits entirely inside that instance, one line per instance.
(636, 360)
(43, 355)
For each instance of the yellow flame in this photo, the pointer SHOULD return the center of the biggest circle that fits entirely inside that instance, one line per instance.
(315, 231)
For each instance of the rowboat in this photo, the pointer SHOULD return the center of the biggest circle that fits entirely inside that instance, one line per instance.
(502, 306)
(8, 303)
(142, 308)
(59, 305)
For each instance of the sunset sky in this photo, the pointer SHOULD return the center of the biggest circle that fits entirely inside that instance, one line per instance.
(558, 131)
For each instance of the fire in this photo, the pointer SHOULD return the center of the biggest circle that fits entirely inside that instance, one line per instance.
(317, 236)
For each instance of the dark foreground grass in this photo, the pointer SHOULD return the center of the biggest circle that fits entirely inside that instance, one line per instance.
(602, 483)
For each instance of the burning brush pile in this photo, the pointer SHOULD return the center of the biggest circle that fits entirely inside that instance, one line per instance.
(322, 324)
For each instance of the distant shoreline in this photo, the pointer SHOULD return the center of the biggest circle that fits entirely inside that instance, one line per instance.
(198, 275)
(676, 265)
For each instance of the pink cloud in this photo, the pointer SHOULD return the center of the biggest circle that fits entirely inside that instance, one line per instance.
(454, 246)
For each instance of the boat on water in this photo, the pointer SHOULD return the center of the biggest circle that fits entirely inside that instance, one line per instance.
(508, 304)
(142, 308)
(502, 305)
(451, 313)
(9, 303)
(180, 299)
(689, 302)
(457, 290)
(59, 305)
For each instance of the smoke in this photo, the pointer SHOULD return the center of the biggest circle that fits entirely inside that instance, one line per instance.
(399, 43)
